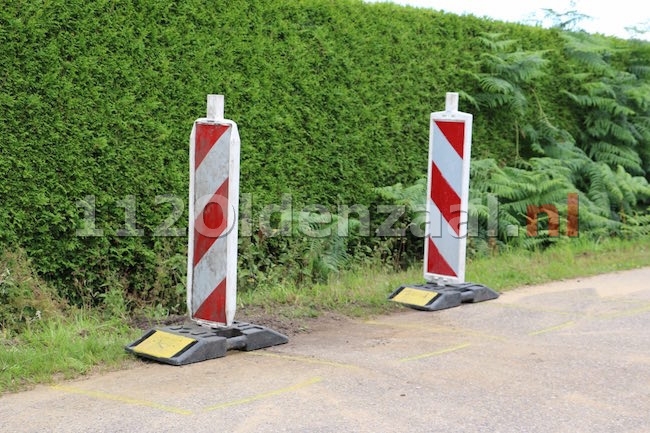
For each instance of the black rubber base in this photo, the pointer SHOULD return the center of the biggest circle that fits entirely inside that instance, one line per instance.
(447, 296)
(205, 343)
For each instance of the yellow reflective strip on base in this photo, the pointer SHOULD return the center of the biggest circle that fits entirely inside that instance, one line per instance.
(163, 344)
(412, 296)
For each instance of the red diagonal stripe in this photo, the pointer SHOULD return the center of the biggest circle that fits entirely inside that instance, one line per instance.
(455, 134)
(206, 136)
(211, 222)
(436, 263)
(214, 306)
(444, 196)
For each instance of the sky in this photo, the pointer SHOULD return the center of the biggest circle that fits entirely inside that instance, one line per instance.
(607, 17)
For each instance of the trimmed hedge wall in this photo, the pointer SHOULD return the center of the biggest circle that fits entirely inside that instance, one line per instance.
(97, 99)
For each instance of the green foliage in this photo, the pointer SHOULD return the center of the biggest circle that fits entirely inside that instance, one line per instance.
(565, 20)
(63, 347)
(505, 73)
(615, 103)
(25, 300)
(407, 249)
(98, 100)
(332, 100)
(602, 174)
(296, 247)
(602, 165)
(569, 258)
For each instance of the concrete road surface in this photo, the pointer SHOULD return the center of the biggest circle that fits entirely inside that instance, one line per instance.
(571, 356)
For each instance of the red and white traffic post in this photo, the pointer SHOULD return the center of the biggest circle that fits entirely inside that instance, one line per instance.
(213, 209)
(445, 242)
(450, 143)
(211, 255)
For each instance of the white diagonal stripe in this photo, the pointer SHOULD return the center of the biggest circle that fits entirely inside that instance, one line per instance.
(209, 272)
(446, 241)
(435, 220)
(447, 160)
(213, 171)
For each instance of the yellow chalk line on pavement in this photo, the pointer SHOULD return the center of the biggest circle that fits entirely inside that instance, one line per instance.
(627, 313)
(304, 359)
(553, 328)
(126, 400)
(274, 393)
(441, 330)
(180, 411)
(438, 352)
(533, 309)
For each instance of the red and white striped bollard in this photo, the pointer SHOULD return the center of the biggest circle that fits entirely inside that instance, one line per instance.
(213, 209)
(450, 144)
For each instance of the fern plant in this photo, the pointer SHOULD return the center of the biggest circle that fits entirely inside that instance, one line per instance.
(615, 104)
(302, 247)
(604, 165)
(505, 79)
(404, 250)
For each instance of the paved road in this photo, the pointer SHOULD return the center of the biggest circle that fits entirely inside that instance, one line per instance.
(570, 356)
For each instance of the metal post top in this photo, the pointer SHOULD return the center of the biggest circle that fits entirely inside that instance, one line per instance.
(451, 102)
(215, 107)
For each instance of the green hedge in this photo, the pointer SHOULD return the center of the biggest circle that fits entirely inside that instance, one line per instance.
(332, 98)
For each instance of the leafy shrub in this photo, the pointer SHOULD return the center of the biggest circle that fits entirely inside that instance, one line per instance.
(332, 100)
(24, 298)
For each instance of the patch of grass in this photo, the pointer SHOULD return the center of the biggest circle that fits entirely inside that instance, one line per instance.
(356, 293)
(78, 342)
(63, 348)
(42, 339)
(24, 298)
(570, 258)
(363, 292)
